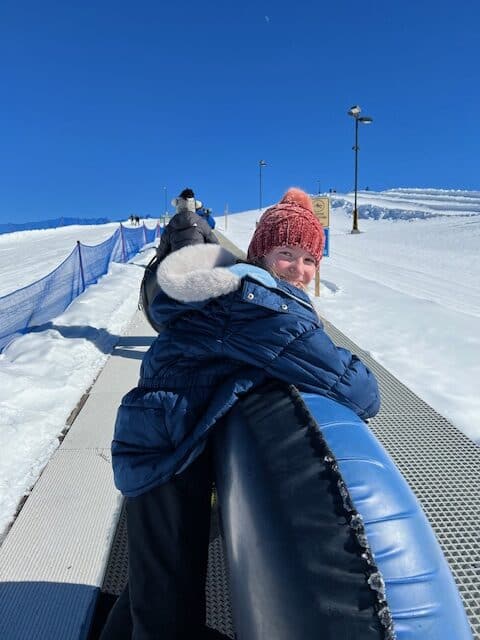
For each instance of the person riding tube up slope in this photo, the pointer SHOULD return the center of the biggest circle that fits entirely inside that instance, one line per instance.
(227, 328)
(186, 227)
(205, 213)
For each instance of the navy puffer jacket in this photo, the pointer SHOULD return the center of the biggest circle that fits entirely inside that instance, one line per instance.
(227, 328)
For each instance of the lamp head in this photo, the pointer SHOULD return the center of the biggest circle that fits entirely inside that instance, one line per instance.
(354, 111)
(366, 120)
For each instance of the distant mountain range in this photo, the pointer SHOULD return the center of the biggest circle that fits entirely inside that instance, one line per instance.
(10, 227)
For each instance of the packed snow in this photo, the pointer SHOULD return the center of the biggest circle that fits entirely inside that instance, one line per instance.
(406, 289)
(27, 256)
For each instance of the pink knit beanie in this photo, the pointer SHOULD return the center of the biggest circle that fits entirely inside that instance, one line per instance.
(292, 223)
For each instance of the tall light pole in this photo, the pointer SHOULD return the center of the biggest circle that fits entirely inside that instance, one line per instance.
(355, 113)
(165, 194)
(261, 164)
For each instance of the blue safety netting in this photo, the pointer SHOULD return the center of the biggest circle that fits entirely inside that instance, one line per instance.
(95, 260)
(151, 234)
(48, 297)
(129, 245)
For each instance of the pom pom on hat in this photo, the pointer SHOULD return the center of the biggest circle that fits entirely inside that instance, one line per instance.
(292, 223)
(296, 196)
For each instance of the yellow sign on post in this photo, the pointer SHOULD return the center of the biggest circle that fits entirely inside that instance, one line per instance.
(321, 208)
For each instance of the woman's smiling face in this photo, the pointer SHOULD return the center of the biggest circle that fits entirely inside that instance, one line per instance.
(293, 264)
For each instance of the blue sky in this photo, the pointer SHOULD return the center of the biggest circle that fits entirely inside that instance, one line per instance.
(103, 104)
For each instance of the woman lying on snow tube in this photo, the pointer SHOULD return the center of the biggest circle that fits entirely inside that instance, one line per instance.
(227, 328)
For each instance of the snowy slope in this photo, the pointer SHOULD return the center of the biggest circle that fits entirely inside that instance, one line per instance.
(26, 256)
(408, 204)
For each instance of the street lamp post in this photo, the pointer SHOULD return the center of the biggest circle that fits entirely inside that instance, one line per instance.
(355, 113)
(261, 164)
(165, 194)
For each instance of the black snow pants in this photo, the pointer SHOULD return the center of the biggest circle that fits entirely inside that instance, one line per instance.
(168, 532)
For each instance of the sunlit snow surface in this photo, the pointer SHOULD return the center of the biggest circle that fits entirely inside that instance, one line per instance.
(407, 289)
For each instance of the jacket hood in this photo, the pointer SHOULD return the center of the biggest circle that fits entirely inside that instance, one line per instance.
(198, 272)
(186, 203)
